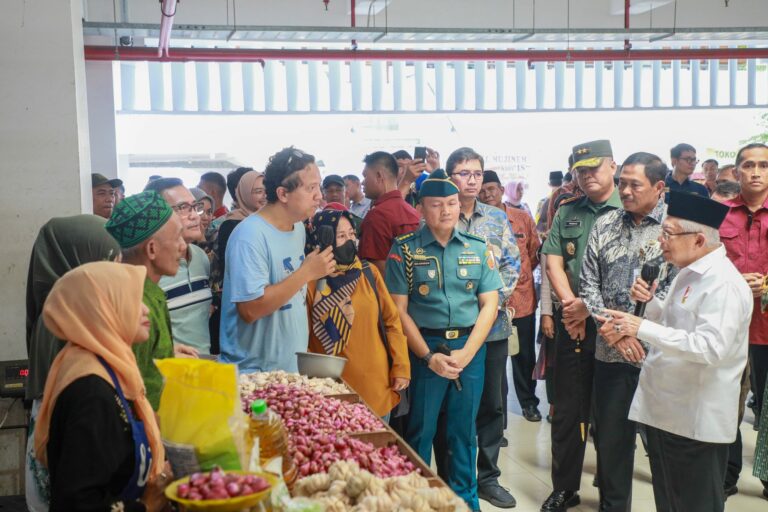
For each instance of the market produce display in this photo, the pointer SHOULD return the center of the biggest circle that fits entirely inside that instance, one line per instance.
(347, 487)
(347, 458)
(251, 381)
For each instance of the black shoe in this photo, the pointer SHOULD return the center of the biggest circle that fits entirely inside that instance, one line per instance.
(595, 482)
(549, 418)
(730, 491)
(559, 501)
(531, 413)
(497, 496)
(504, 442)
(756, 425)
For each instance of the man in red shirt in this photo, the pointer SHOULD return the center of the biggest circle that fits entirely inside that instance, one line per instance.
(389, 216)
(744, 233)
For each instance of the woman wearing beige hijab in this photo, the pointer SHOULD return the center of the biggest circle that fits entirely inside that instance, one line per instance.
(96, 431)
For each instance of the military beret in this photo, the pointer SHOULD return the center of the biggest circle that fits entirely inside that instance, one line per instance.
(438, 185)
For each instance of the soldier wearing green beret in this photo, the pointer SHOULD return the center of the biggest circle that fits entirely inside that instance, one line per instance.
(150, 235)
(445, 285)
(575, 331)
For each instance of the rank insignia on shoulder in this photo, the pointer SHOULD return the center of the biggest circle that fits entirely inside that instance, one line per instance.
(402, 238)
(569, 200)
(472, 235)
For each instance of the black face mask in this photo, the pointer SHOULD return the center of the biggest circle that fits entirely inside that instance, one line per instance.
(345, 253)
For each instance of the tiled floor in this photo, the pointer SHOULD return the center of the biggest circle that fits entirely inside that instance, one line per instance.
(525, 468)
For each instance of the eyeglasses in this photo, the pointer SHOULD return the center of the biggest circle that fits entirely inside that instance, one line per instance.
(666, 235)
(186, 208)
(749, 165)
(465, 175)
(690, 159)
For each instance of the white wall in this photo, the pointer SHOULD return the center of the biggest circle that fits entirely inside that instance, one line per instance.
(444, 13)
(43, 141)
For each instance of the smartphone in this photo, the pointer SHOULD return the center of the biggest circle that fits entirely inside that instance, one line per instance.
(420, 153)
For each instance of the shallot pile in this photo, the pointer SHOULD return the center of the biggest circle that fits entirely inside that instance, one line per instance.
(218, 485)
(306, 413)
(251, 381)
(317, 454)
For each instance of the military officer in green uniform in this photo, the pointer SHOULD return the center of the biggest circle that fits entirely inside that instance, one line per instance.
(575, 331)
(446, 288)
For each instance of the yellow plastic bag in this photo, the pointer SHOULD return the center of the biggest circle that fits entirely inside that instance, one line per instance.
(200, 406)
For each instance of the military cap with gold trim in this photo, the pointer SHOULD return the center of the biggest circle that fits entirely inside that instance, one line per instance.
(438, 185)
(590, 154)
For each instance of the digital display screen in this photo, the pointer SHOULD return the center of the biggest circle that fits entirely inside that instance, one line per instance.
(16, 372)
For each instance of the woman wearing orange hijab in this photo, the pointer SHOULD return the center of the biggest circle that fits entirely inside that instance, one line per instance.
(96, 431)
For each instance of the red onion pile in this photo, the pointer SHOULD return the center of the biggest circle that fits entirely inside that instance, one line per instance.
(314, 423)
(317, 454)
(218, 485)
(308, 413)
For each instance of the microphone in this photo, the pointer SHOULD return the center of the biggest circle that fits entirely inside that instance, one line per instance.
(443, 349)
(326, 237)
(649, 273)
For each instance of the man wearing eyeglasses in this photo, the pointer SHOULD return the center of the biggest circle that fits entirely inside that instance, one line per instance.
(188, 293)
(575, 330)
(683, 164)
(745, 236)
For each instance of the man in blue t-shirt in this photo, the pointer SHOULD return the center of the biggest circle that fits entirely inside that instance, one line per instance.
(263, 311)
(684, 162)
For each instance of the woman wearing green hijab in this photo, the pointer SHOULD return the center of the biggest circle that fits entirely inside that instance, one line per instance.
(62, 244)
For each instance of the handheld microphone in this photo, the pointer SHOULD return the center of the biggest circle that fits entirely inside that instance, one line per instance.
(649, 273)
(326, 237)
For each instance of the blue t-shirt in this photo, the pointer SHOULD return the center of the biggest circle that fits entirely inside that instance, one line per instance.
(259, 255)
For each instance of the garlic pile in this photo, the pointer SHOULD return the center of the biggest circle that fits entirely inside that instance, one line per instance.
(251, 381)
(347, 488)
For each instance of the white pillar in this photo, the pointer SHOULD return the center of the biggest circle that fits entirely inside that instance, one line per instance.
(44, 140)
(101, 117)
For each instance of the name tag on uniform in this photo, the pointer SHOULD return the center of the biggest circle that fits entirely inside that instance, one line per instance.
(573, 223)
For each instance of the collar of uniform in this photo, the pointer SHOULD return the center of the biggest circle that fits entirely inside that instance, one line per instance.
(671, 177)
(738, 201)
(477, 211)
(701, 265)
(613, 201)
(427, 237)
(657, 214)
(392, 194)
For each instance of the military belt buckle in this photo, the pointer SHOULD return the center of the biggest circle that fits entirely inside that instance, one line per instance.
(452, 334)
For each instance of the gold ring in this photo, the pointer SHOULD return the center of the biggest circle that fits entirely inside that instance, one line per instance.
(628, 351)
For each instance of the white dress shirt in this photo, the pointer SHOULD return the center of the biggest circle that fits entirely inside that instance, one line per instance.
(691, 378)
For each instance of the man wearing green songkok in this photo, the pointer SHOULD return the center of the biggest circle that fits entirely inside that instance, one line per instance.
(150, 235)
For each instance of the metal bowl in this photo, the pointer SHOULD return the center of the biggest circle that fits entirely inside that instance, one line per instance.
(320, 365)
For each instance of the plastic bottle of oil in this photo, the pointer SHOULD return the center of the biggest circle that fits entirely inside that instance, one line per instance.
(266, 426)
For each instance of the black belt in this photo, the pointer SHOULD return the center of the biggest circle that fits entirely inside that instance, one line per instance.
(448, 334)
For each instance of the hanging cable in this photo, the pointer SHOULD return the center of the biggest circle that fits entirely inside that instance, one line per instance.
(114, 17)
(674, 20)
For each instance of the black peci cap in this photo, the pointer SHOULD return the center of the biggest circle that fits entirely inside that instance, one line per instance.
(696, 208)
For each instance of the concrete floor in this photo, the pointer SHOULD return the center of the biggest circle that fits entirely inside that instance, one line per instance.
(525, 468)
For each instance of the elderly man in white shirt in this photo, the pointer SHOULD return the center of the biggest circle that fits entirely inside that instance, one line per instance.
(688, 395)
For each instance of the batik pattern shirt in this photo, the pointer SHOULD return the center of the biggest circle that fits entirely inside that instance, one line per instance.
(491, 224)
(616, 251)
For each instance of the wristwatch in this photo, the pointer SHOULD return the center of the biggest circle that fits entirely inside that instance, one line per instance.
(427, 358)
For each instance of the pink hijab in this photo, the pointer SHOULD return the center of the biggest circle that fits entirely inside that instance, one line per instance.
(513, 193)
(245, 204)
